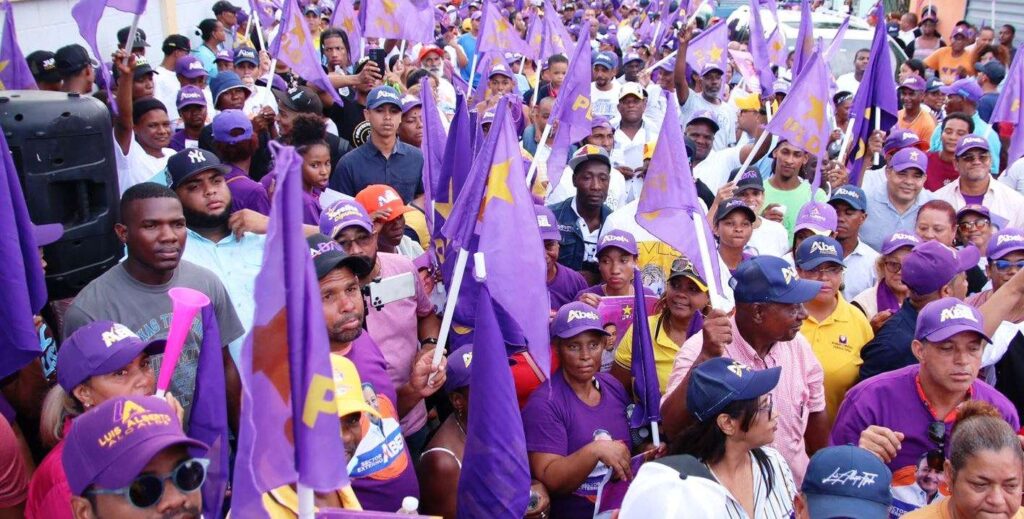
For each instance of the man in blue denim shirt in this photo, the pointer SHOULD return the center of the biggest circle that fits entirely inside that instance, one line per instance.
(580, 218)
(383, 159)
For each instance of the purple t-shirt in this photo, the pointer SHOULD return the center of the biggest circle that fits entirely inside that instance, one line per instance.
(558, 422)
(382, 472)
(246, 193)
(311, 207)
(891, 400)
(972, 199)
(177, 141)
(565, 286)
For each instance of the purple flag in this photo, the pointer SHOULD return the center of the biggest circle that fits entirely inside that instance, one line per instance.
(877, 95)
(547, 36)
(498, 34)
(434, 139)
(709, 47)
(289, 429)
(571, 109)
(347, 19)
(21, 273)
(777, 48)
(293, 46)
(455, 167)
(14, 71)
(804, 45)
(668, 205)
(495, 478)
(87, 14)
(759, 50)
(208, 421)
(837, 40)
(410, 20)
(802, 118)
(645, 377)
(1007, 107)
(341, 513)
(264, 12)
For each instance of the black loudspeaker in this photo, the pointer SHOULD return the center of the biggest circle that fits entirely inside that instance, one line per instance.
(63, 148)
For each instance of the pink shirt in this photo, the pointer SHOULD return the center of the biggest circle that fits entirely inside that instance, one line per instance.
(395, 330)
(800, 392)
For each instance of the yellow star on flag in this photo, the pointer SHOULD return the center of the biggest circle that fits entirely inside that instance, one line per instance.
(497, 185)
(389, 6)
(1013, 108)
(776, 45)
(817, 111)
(651, 215)
(716, 53)
(3, 65)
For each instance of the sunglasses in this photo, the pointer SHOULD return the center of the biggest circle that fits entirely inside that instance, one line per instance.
(1003, 265)
(147, 489)
(894, 267)
(981, 224)
(937, 457)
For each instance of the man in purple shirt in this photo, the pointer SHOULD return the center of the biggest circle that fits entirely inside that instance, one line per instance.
(233, 127)
(905, 414)
(191, 103)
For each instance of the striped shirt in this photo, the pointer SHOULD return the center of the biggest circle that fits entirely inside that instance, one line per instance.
(776, 504)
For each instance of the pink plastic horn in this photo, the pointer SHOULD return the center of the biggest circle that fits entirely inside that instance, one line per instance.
(186, 302)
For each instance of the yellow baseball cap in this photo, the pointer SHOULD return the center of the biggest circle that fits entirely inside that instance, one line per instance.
(348, 388)
(748, 102)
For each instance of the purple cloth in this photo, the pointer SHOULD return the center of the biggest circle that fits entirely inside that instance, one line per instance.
(87, 14)
(6, 410)
(713, 41)
(885, 299)
(411, 20)
(455, 166)
(1007, 107)
(878, 93)
(645, 376)
(571, 110)
(208, 421)
(548, 36)
(566, 286)
(380, 480)
(293, 46)
(311, 207)
(289, 428)
(804, 44)
(16, 75)
(558, 422)
(495, 477)
(434, 141)
(801, 119)
(498, 34)
(891, 400)
(973, 199)
(177, 141)
(21, 273)
(759, 50)
(246, 193)
(670, 210)
(345, 17)
(598, 290)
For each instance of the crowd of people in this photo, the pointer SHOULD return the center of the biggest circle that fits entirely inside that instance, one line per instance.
(858, 357)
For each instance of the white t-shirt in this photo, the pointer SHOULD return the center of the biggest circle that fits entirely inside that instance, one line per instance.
(137, 166)
(725, 113)
(714, 170)
(165, 90)
(847, 83)
(605, 103)
(770, 239)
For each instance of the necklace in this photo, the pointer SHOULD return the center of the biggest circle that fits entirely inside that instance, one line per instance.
(459, 423)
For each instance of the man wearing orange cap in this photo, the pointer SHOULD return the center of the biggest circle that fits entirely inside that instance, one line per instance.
(385, 205)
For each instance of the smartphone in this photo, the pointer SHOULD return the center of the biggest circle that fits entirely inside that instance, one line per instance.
(378, 56)
(391, 289)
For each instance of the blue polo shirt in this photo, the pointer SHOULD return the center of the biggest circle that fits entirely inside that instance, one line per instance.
(883, 219)
(890, 349)
(366, 165)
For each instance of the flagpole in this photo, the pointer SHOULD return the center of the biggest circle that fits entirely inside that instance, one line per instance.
(717, 299)
(259, 34)
(876, 160)
(662, 61)
(248, 24)
(401, 51)
(306, 507)
(847, 136)
(655, 437)
(130, 42)
(533, 163)
(472, 72)
(449, 309)
(750, 156)
(536, 83)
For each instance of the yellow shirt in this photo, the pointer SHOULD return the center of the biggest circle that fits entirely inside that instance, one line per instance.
(664, 351)
(283, 502)
(940, 510)
(837, 342)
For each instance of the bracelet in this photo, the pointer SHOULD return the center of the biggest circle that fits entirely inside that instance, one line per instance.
(428, 340)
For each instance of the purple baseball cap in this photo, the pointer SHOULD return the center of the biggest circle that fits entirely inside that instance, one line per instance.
(409, 102)
(970, 142)
(914, 82)
(226, 55)
(500, 69)
(711, 66)
(342, 214)
(942, 319)
(600, 121)
(818, 217)
(974, 208)
(547, 223)
(620, 239)
(898, 240)
(932, 265)
(190, 67)
(960, 30)
(630, 57)
(967, 88)
(459, 368)
(1004, 242)
(98, 348)
(909, 158)
(575, 318)
(48, 233)
(899, 139)
(232, 127)
(110, 445)
(190, 95)
(706, 116)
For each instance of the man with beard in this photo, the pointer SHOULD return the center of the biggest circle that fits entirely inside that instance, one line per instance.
(198, 178)
(142, 131)
(134, 292)
(381, 477)
(709, 99)
(604, 90)
(403, 327)
(432, 60)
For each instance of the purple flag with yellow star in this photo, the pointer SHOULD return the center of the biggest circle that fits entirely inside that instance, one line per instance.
(498, 34)
(571, 109)
(1007, 109)
(346, 18)
(804, 45)
(759, 50)
(709, 47)
(801, 119)
(14, 71)
(547, 36)
(668, 206)
(293, 46)
(410, 20)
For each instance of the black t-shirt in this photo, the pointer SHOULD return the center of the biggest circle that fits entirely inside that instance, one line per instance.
(346, 117)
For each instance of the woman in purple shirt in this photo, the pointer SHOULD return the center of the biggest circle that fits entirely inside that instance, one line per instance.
(576, 428)
(616, 259)
(235, 143)
(309, 138)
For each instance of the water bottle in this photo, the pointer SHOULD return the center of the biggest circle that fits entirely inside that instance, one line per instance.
(409, 506)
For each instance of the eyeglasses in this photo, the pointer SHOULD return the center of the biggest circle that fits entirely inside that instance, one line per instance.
(767, 406)
(831, 270)
(937, 456)
(974, 157)
(147, 489)
(1004, 265)
(894, 267)
(362, 241)
(980, 224)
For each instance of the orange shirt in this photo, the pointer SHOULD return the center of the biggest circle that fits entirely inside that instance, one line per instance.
(947, 66)
(923, 125)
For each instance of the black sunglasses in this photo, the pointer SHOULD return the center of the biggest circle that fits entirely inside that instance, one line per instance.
(147, 489)
(937, 456)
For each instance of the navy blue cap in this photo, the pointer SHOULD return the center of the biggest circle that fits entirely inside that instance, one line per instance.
(722, 381)
(224, 81)
(847, 481)
(768, 279)
(383, 95)
(607, 60)
(852, 195)
(186, 163)
(817, 250)
(246, 54)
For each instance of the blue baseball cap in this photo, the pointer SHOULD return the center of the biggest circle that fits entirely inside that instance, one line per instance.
(847, 481)
(575, 318)
(722, 381)
(852, 195)
(246, 54)
(224, 81)
(190, 162)
(383, 95)
(817, 250)
(606, 60)
(768, 279)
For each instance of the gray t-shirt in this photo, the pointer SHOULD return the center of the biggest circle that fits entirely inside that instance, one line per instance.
(146, 309)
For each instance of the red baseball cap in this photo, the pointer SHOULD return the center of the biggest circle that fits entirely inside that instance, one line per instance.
(381, 196)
